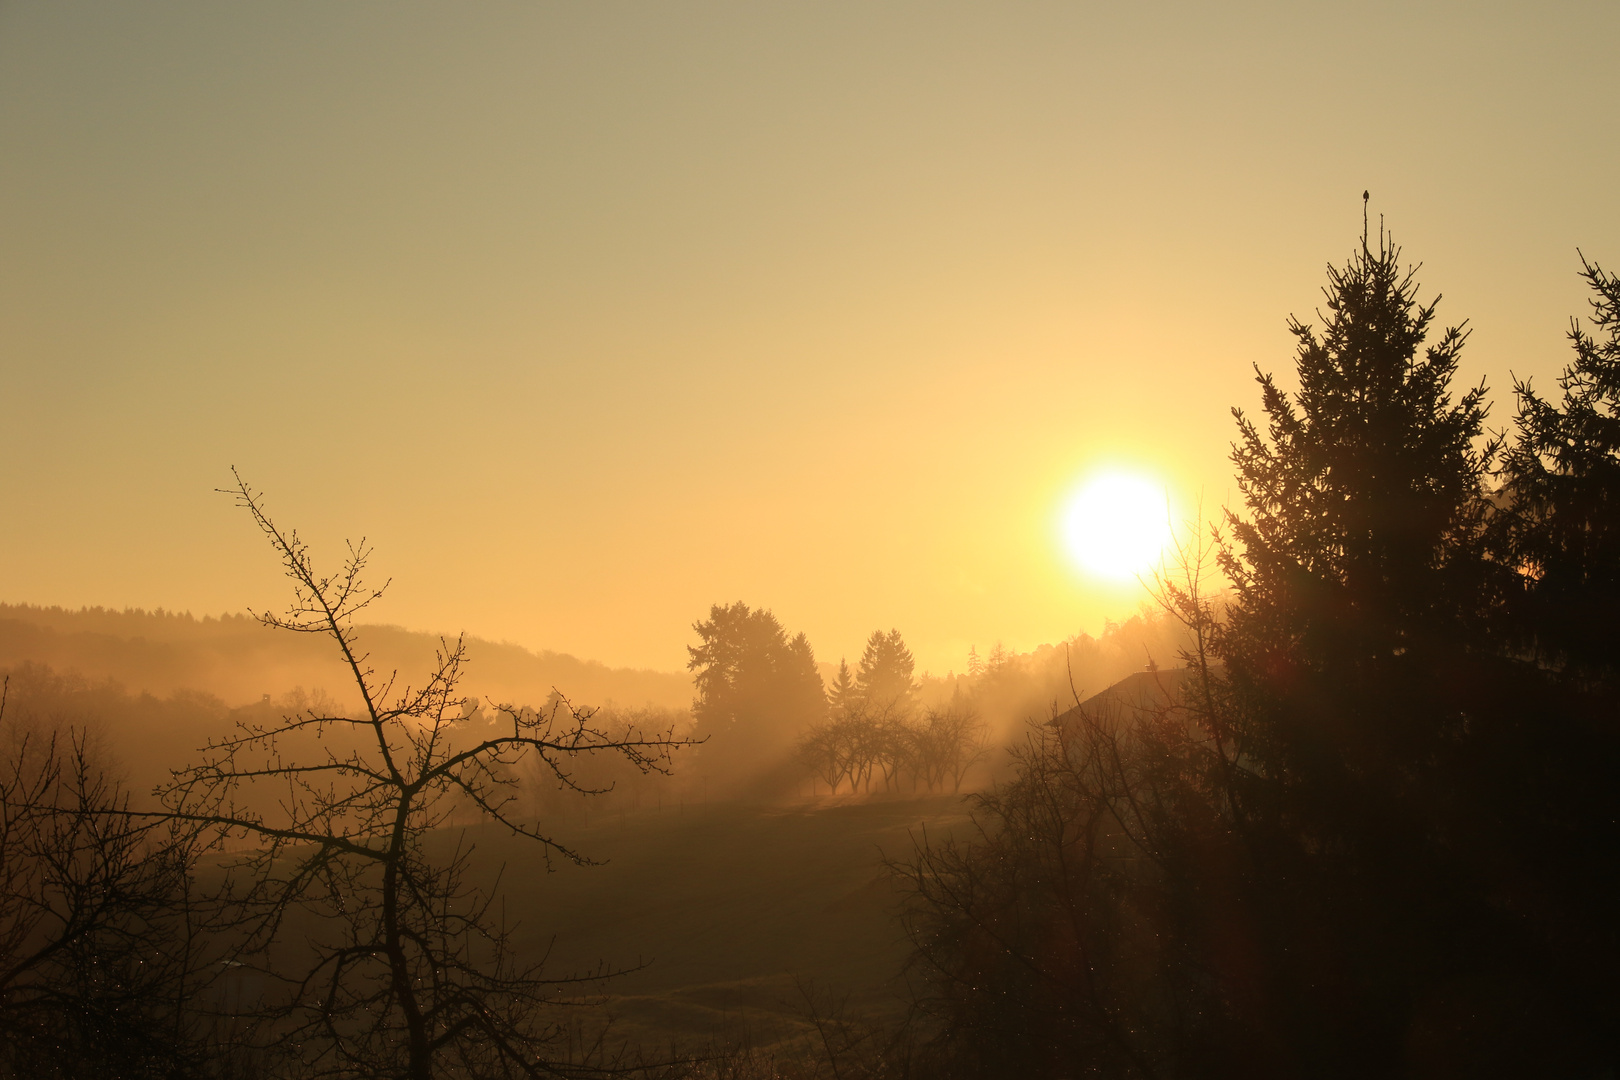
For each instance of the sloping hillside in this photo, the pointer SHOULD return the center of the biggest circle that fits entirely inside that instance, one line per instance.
(237, 660)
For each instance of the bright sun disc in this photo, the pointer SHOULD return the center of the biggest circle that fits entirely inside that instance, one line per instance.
(1116, 525)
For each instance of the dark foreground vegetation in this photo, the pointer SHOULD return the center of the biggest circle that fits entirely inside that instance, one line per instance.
(1369, 825)
(1374, 827)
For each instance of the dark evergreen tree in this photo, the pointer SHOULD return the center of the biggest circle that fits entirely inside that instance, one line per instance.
(1365, 496)
(884, 677)
(1562, 496)
(1358, 564)
(1559, 534)
(804, 695)
(843, 697)
(1387, 749)
(757, 689)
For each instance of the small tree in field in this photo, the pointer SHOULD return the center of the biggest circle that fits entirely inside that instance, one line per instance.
(946, 743)
(822, 751)
(407, 970)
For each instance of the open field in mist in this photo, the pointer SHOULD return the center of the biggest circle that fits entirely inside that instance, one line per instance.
(735, 910)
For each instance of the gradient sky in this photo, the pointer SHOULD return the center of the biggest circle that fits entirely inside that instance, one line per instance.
(591, 315)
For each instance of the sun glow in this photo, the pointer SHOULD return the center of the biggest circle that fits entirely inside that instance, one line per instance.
(1116, 525)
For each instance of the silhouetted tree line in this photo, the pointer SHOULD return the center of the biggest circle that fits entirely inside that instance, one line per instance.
(1376, 830)
(1007, 687)
(100, 961)
(930, 751)
(766, 719)
(237, 659)
(876, 727)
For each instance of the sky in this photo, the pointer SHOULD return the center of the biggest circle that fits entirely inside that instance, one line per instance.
(589, 316)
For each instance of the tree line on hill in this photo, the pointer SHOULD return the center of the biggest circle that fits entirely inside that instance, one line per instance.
(147, 733)
(765, 719)
(876, 726)
(237, 660)
(761, 700)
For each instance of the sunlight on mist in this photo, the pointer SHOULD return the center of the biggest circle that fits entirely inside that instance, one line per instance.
(1116, 524)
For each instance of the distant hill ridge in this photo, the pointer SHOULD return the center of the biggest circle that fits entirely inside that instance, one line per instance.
(238, 660)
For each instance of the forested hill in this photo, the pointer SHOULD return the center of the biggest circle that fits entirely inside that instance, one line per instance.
(236, 659)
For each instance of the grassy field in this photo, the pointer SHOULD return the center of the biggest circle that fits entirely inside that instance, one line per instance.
(727, 912)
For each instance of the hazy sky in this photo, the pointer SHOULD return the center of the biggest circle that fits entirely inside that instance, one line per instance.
(590, 315)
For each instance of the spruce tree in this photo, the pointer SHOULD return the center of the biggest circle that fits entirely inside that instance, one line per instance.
(843, 697)
(1360, 553)
(803, 696)
(1360, 581)
(1559, 534)
(757, 688)
(1562, 498)
(884, 678)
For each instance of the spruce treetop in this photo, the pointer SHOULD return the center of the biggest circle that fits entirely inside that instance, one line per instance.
(1365, 487)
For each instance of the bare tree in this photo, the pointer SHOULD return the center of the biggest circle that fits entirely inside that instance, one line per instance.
(935, 749)
(1066, 934)
(386, 953)
(102, 964)
(822, 752)
(946, 743)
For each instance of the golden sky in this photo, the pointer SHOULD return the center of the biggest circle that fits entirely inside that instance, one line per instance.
(592, 315)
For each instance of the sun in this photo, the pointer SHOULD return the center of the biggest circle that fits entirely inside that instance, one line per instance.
(1116, 525)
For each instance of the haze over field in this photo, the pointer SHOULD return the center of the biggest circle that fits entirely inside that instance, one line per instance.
(591, 316)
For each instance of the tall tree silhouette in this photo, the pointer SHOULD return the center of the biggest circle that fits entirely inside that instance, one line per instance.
(1563, 495)
(884, 677)
(1388, 748)
(1559, 533)
(757, 689)
(843, 696)
(1360, 555)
